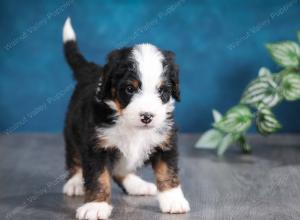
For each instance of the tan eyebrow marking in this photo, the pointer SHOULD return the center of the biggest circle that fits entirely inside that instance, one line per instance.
(135, 83)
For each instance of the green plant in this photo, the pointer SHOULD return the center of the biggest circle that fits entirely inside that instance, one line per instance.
(257, 101)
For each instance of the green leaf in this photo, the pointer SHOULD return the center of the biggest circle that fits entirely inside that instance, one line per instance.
(217, 115)
(264, 72)
(266, 122)
(236, 120)
(225, 143)
(286, 54)
(261, 106)
(262, 90)
(290, 86)
(210, 139)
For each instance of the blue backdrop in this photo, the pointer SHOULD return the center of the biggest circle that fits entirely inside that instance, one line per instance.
(219, 47)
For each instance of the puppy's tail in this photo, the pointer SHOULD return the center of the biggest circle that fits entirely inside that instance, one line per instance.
(83, 70)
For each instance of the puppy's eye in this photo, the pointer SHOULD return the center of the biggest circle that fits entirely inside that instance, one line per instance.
(130, 89)
(162, 90)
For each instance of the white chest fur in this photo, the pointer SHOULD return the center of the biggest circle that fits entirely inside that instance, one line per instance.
(135, 144)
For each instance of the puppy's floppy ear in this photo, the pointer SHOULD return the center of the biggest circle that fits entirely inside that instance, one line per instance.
(172, 70)
(114, 56)
(99, 96)
(104, 87)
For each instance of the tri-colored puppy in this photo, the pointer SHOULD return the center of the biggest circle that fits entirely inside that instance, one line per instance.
(121, 116)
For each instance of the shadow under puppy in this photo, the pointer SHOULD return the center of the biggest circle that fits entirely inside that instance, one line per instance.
(120, 117)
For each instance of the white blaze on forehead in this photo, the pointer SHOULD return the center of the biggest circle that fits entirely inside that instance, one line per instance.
(149, 63)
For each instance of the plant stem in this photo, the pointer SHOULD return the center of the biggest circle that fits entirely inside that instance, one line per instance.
(245, 147)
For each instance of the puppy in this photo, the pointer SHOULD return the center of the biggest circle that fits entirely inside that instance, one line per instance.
(120, 117)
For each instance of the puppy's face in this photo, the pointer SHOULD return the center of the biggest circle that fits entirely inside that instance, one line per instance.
(141, 84)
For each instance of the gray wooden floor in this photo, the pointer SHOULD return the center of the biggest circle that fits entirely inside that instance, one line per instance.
(264, 185)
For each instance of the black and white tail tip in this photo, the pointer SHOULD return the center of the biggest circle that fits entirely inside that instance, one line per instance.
(68, 32)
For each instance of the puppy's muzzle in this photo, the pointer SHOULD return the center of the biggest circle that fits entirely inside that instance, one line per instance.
(146, 117)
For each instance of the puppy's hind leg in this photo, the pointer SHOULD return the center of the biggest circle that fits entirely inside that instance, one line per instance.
(134, 185)
(75, 184)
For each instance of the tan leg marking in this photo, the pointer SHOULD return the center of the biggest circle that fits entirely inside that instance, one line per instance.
(166, 178)
(104, 192)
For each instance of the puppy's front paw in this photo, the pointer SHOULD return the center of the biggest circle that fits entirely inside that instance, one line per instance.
(136, 186)
(94, 211)
(173, 201)
(74, 186)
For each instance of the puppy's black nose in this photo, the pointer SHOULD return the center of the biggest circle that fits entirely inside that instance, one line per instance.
(146, 117)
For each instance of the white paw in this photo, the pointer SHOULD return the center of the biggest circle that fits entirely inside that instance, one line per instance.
(134, 185)
(74, 186)
(94, 211)
(173, 201)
